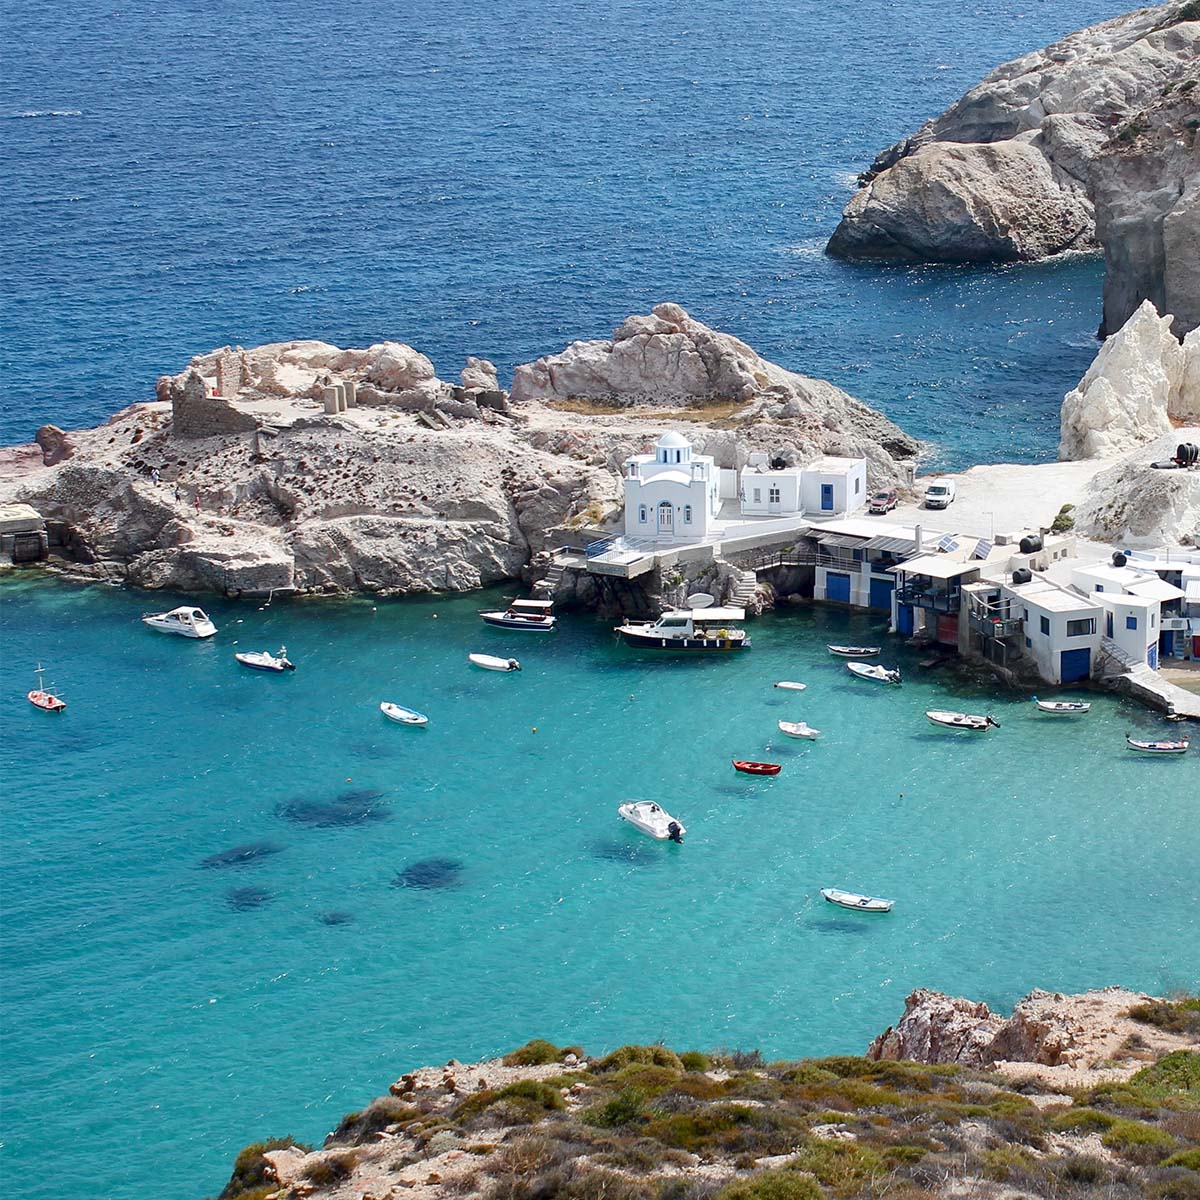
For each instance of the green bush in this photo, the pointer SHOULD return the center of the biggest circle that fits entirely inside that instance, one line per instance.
(624, 1108)
(623, 1056)
(772, 1185)
(1185, 1158)
(537, 1053)
(693, 1060)
(1175, 1073)
(647, 1079)
(333, 1168)
(540, 1094)
(1089, 1120)
(358, 1127)
(250, 1172)
(839, 1165)
(1173, 1016)
(1065, 520)
(1189, 12)
(1138, 1142)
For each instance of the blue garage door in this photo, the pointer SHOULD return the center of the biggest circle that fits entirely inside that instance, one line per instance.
(881, 593)
(904, 619)
(1075, 665)
(837, 587)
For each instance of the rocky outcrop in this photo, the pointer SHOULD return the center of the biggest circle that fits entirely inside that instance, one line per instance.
(939, 1029)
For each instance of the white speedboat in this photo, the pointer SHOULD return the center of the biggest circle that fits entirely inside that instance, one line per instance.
(856, 902)
(185, 621)
(799, 729)
(879, 674)
(789, 686)
(653, 819)
(958, 720)
(1165, 747)
(1062, 708)
(853, 651)
(262, 661)
(402, 715)
(533, 615)
(688, 629)
(489, 662)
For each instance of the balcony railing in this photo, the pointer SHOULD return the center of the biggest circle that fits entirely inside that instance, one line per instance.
(936, 601)
(995, 627)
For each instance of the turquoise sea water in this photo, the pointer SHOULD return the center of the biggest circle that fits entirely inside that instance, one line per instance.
(159, 1013)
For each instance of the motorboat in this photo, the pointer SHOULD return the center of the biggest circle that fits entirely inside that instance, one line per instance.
(877, 673)
(653, 819)
(856, 902)
(185, 621)
(1062, 708)
(756, 768)
(689, 629)
(853, 651)
(260, 660)
(532, 615)
(957, 720)
(43, 697)
(799, 729)
(402, 715)
(1165, 747)
(489, 662)
(789, 686)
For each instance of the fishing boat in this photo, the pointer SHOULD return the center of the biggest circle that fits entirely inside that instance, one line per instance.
(185, 621)
(689, 629)
(789, 686)
(260, 660)
(879, 674)
(489, 662)
(1062, 708)
(756, 768)
(533, 615)
(799, 729)
(652, 819)
(1165, 747)
(958, 720)
(402, 715)
(856, 902)
(43, 697)
(853, 651)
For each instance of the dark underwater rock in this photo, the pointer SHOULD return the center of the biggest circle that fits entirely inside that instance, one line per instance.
(430, 873)
(350, 808)
(237, 856)
(245, 899)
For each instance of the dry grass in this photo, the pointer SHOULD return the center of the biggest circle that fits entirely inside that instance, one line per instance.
(707, 414)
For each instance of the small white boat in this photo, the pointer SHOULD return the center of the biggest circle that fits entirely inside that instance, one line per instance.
(856, 902)
(489, 662)
(185, 621)
(799, 729)
(1165, 747)
(958, 720)
(853, 651)
(262, 661)
(1062, 708)
(402, 715)
(44, 697)
(653, 819)
(533, 615)
(789, 686)
(879, 674)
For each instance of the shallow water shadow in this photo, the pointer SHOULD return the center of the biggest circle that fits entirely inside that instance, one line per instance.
(335, 917)
(350, 808)
(633, 853)
(239, 856)
(430, 873)
(851, 927)
(373, 750)
(247, 898)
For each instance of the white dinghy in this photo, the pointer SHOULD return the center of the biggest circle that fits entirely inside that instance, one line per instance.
(1062, 708)
(789, 686)
(799, 729)
(1165, 747)
(878, 674)
(402, 715)
(958, 720)
(535, 615)
(489, 662)
(856, 902)
(852, 651)
(185, 621)
(260, 660)
(653, 819)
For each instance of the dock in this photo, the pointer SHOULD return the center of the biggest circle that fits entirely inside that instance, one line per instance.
(1152, 689)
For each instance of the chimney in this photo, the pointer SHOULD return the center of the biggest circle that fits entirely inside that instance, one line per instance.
(920, 544)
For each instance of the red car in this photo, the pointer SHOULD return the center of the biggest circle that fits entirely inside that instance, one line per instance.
(884, 501)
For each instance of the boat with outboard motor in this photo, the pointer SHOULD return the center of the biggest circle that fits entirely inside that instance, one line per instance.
(877, 673)
(853, 651)
(856, 902)
(1063, 708)
(789, 686)
(958, 720)
(43, 697)
(799, 729)
(532, 615)
(260, 660)
(489, 662)
(1178, 746)
(186, 621)
(402, 715)
(688, 629)
(652, 819)
(756, 768)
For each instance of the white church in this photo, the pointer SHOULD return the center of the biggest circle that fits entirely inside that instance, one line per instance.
(676, 495)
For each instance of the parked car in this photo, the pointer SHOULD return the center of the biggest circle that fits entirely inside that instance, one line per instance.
(940, 494)
(884, 501)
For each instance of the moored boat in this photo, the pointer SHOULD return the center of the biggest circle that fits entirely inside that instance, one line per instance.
(856, 902)
(852, 651)
(185, 621)
(789, 686)
(1178, 746)
(689, 629)
(43, 697)
(1062, 708)
(652, 819)
(260, 660)
(402, 715)
(489, 662)
(531, 615)
(799, 729)
(877, 673)
(756, 768)
(958, 720)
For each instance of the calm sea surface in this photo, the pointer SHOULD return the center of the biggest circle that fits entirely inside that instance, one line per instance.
(500, 180)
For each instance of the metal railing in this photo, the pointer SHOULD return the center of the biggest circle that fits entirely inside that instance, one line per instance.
(994, 627)
(918, 597)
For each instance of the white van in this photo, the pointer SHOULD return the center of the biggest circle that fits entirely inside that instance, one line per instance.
(939, 494)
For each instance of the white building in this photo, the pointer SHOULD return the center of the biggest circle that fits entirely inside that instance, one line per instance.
(672, 494)
(833, 487)
(1061, 628)
(769, 491)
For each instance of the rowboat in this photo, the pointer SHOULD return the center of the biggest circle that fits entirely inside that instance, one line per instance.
(853, 651)
(47, 701)
(799, 729)
(879, 674)
(856, 902)
(651, 819)
(531, 615)
(185, 621)
(789, 686)
(1164, 747)
(1062, 708)
(402, 715)
(489, 662)
(260, 660)
(957, 720)
(756, 768)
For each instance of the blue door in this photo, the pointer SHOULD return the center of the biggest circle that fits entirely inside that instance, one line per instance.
(837, 587)
(1152, 657)
(1075, 665)
(881, 593)
(827, 497)
(1166, 643)
(904, 619)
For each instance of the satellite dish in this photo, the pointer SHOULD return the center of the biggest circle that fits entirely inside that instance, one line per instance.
(701, 600)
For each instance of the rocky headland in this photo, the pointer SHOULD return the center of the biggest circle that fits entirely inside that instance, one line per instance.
(1089, 142)
(1072, 1096)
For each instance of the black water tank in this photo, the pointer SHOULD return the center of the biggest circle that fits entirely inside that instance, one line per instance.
(1023, 575)
(778, 464)
(1031, 544)
(1193, 454)
(1119, 560)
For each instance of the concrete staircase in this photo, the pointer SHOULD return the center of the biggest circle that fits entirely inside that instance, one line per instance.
(745, 589)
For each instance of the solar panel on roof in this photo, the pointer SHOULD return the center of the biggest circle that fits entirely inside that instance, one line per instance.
(983, 548)
(946, 543)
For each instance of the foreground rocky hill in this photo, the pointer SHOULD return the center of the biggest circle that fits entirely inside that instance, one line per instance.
(645, 1123)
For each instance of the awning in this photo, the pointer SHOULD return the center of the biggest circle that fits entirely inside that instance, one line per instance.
(850, 541)
(1153, 588)
(936, 567)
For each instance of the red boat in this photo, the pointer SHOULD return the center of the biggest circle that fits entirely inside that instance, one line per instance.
(756, 768)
